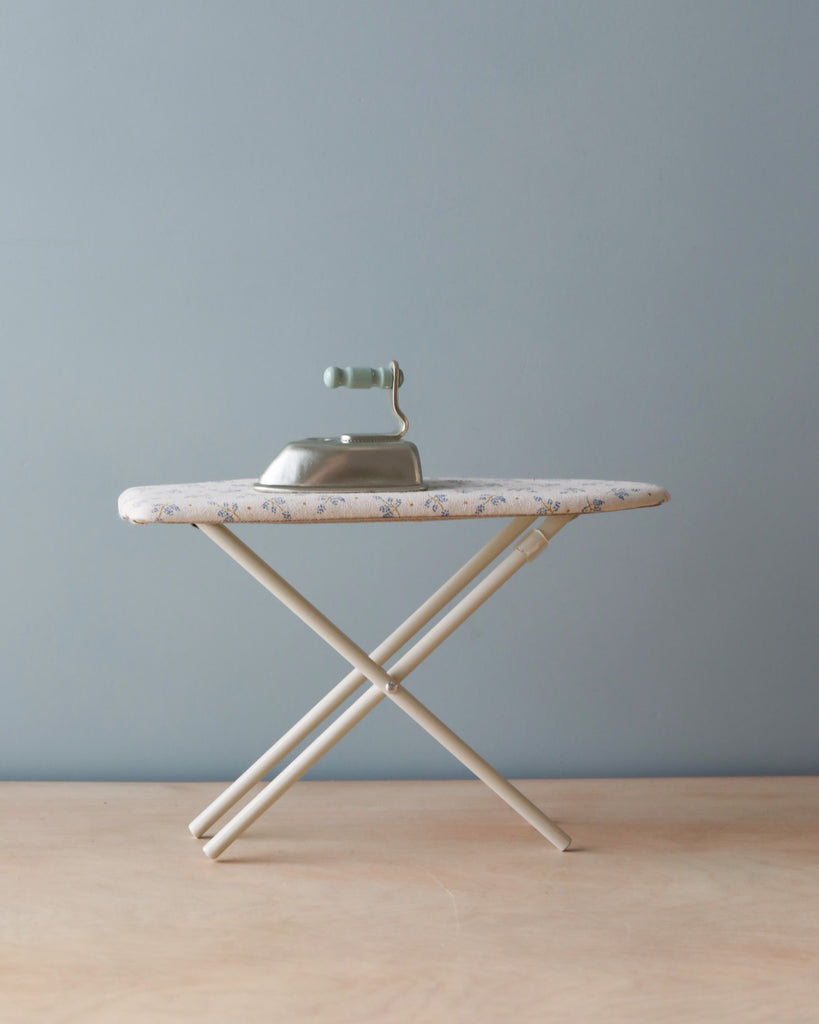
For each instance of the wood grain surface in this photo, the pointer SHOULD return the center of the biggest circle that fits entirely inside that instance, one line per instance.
(691, 900)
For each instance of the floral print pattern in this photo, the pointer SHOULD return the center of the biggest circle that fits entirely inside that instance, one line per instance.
(237, 501)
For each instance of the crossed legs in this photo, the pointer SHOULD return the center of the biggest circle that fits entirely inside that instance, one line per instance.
(382, 683)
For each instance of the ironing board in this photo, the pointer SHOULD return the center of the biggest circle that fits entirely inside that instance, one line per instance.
(536, 510)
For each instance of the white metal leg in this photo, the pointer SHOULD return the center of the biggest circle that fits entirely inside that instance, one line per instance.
(386, 684)
(481, 768)
(351, 682)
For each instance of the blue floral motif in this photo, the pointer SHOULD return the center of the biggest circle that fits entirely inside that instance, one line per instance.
(165, 510)
(330, 501)
(279, 507)
(438, 503)
(227, 511)
(549, 507)
(390, 509)
(488, 499)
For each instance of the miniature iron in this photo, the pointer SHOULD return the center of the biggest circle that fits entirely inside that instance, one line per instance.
(351, 462)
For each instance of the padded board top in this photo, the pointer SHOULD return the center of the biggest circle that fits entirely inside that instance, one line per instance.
(237, 501)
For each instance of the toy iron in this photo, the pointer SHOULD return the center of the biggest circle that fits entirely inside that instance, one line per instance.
(351, 462)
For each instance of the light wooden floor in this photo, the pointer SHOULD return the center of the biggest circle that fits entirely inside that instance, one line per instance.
(692, 900)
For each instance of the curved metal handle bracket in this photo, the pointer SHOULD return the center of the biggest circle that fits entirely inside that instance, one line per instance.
(396, 383)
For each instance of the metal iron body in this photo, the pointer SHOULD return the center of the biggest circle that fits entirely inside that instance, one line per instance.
(350, 462)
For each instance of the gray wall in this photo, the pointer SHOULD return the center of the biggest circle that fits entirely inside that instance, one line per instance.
(588, 232)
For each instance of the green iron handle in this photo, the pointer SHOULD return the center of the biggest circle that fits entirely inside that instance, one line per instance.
(360, 377)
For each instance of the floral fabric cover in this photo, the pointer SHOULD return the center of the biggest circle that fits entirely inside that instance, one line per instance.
(237, 501)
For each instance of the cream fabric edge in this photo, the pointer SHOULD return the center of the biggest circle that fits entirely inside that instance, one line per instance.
(237, 501)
